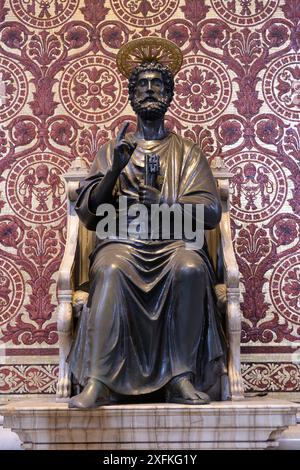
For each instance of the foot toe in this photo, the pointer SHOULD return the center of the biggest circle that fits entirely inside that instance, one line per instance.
(203, 396)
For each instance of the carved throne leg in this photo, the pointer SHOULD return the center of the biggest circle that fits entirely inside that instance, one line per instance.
(64, 326)
(234, 336)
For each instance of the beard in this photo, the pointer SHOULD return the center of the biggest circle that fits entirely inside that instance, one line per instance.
(150, 109)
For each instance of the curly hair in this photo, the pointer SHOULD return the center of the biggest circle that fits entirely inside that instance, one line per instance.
(166, 74)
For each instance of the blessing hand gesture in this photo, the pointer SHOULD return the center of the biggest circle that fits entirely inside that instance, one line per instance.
(123, 150)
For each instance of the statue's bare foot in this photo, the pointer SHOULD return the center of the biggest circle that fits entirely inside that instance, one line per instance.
(94, 394)
(181, 390)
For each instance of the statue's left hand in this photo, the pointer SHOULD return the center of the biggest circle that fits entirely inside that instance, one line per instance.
(149, 195)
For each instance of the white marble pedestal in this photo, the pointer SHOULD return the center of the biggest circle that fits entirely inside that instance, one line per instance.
(247, 424)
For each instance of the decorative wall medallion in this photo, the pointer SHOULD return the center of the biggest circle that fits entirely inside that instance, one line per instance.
(245, 12)
(13, 89)
(93, 90)
(144, 13)
(35, 189)
(44, 13)
(202, 90)
(11, 290)
(258, 187)
(281, 87)
(285, 288)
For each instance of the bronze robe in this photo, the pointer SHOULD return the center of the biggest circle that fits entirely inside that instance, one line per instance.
(152, 310)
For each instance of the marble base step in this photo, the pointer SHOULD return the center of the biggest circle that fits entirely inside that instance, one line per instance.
(290, 439)
(247, 424)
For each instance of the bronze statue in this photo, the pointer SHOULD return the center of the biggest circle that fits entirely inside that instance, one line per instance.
(153, 323)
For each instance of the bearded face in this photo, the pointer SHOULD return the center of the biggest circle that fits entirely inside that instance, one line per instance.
(150, 100)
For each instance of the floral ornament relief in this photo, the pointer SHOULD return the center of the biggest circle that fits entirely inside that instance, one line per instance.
(275, 34)
(38, 253)
(44, 48)
(255, 255)
(291, 288)
(197, 88)
(228, 129)
(28, 379)
(284, 231)
(291, 142)
(281, 87)
(285, 288)
(269, 130)
(11, 284)
(272, 376)
(13, 89)
(202, 90)
(92, 90)
(90, 141)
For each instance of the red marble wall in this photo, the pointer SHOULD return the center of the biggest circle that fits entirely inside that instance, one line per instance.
(237, 94)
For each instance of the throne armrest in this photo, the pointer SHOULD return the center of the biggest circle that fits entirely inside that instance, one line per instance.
(231, 270)
(232, 278)
(73, 178)
(66, 267)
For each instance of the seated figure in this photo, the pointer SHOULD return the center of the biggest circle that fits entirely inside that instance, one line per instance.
(153, 322)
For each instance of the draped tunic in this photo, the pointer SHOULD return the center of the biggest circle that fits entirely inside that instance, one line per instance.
(152, 310)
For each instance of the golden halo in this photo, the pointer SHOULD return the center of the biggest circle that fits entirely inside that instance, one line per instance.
(149, 49)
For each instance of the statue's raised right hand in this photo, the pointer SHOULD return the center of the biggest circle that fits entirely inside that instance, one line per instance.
(122, 151)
